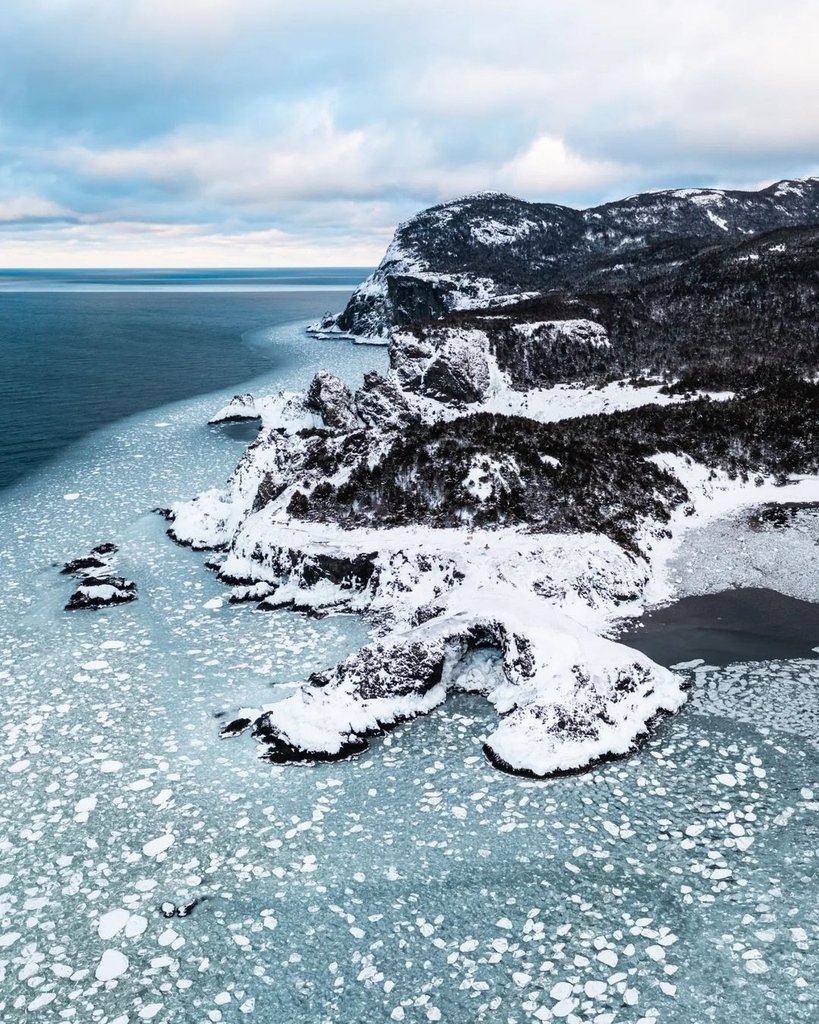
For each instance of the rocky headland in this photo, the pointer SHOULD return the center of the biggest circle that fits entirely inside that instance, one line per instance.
(568, 390)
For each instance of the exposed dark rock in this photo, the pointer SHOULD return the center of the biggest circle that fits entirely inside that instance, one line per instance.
(98, 585)
(275, 604)
(194, 545)
(281, 751)
(231, 580)
(268, 490)
(344, 572)
(326, 323)
(101, 591)
(81, 565)
(381, 403)
(183, 910)
(451, 364)
(333, 401)
(105, 549)
(234, 728)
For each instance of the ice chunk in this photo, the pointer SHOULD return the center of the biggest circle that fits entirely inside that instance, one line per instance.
(113, 964)
(158, 845)
(112, 922)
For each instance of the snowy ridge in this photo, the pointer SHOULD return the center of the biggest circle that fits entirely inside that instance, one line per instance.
(573, 331)
(471, 252)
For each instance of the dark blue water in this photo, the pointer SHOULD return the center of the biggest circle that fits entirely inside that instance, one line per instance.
(255, 279)
(81, 349)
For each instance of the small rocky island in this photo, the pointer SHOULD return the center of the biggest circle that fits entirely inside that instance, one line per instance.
(568, 392)
(98, 586)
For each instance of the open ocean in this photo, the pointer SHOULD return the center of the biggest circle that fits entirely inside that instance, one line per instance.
(80, 349)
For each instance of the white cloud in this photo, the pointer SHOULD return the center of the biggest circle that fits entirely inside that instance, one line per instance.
(124, 244)
(29, 207)
(327, 122)
(317, 161)
(547, 166)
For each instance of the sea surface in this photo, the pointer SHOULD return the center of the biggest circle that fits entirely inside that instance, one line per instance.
(742, 624)
(414, 883)
(80, 349)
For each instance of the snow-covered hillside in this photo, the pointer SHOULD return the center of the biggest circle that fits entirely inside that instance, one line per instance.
(517, 609)
(509, 490)
(492, 248)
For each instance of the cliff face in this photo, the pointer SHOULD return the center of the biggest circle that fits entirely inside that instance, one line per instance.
(490, 248)
(715, 319)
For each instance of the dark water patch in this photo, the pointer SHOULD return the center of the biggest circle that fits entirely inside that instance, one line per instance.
(748, 624)
(73, 361)
(779, 515)
(238, 430)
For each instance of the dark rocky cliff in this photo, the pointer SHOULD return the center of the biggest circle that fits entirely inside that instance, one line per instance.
(482, 249)
(713, 319)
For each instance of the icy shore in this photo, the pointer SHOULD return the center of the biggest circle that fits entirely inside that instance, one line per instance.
(517, 615)
(414, 880)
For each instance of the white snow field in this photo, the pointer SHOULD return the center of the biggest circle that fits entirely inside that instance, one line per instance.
(415, 883)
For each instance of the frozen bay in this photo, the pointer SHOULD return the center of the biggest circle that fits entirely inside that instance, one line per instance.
(415, 883)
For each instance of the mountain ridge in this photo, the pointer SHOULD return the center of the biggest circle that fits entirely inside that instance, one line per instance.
(486, 249)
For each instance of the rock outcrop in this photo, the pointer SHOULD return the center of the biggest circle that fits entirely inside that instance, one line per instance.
(238, 409)
(98, 585)
(330, 398)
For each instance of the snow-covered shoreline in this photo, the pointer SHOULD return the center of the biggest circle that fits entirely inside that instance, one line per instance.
(521, 617)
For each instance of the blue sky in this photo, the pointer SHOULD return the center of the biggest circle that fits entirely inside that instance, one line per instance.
(276, 133)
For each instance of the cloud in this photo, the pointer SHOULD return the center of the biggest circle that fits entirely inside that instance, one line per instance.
(21, 209)
(547, 166)
(327, 124)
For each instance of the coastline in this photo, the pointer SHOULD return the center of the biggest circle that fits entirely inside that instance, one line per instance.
(522, 617)
(123, 798)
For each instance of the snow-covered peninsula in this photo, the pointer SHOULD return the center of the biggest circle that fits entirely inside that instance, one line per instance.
(510, 490)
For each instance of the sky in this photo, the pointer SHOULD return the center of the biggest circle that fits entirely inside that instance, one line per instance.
(188, 133)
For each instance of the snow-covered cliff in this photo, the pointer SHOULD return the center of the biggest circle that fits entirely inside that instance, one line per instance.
(489, 249)
(516, 609)
(499, 499)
